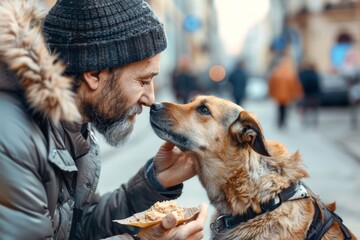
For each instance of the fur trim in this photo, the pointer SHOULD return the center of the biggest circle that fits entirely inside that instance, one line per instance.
(23, 49)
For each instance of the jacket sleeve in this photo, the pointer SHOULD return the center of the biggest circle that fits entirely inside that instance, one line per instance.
(23, 200)
(137, 195)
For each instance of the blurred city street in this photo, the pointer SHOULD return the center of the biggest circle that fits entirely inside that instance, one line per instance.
(330, 151)
(94, 62)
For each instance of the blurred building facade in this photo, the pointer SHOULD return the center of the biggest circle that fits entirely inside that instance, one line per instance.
(314, 27)
(321, 26)
(330, 37)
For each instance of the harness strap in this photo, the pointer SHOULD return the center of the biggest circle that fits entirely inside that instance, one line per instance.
(321, 223)
(344, 229)
(323, 220)
(228, 221)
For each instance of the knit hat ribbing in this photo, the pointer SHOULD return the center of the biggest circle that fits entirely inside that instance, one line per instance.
(98, 34)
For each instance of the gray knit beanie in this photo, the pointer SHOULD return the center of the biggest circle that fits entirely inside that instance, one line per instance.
(93, 35)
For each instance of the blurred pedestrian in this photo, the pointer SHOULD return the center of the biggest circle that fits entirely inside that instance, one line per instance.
(238, 79)
(284, 87)
(310, 81)
(49, 156)
(183, 80)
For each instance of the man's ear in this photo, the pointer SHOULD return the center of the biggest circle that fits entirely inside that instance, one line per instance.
(92, 79)
(246, 130)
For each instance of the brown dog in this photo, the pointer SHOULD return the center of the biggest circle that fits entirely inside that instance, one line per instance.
(254, 185)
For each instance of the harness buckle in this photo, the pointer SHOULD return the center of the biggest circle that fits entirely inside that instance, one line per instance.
(219, 224)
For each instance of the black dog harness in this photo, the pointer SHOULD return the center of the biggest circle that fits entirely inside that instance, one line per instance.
(322, 221)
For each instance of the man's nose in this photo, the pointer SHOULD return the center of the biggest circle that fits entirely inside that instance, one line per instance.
(148, 97)
(157, 107)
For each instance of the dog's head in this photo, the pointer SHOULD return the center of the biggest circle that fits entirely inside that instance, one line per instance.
(207, 124)
(231, 154)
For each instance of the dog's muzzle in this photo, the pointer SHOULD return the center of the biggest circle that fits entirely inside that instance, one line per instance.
(163, 127)
(157, 111)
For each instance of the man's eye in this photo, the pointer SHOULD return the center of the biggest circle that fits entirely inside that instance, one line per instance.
(203, 110)
(145, 83)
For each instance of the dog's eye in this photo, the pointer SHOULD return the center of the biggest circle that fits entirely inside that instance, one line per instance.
(203, 110)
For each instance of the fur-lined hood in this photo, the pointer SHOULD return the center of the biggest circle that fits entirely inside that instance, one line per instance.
(31, 66)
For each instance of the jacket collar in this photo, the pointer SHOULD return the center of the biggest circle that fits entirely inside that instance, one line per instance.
(73, 137)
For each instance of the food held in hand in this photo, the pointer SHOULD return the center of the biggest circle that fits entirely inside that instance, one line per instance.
(160, 209)
(157, 212)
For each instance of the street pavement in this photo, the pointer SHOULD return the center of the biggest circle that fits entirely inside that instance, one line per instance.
(331, 153)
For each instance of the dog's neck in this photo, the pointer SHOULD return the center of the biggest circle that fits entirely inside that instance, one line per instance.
(234, 185)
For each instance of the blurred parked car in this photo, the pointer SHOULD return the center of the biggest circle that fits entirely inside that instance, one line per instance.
(334, 90)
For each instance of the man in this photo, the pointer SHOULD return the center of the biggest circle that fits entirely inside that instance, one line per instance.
(310, 82)
(49, 158)
(284, 87)
(183, 80)
(238, 79)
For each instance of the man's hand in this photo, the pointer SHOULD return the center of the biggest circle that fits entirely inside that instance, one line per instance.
(173, 166)
(167, 230)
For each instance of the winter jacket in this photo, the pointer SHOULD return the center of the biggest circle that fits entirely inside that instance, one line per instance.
(284, 85)
(49, 161)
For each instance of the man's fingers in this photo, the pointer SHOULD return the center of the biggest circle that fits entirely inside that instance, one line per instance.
(169, 221)
(194, 229)
(196, 236)
(203, 213)
(168, 146)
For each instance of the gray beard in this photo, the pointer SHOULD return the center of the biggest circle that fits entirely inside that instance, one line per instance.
(117, 131)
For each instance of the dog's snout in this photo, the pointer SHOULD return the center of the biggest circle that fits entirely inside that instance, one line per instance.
(156, 107)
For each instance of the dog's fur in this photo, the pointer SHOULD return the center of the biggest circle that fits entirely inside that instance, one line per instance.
(239, 168)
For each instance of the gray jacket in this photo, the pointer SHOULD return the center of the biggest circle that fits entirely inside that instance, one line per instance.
(50, 167)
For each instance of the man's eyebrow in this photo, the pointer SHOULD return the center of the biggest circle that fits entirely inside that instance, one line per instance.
(150, 75)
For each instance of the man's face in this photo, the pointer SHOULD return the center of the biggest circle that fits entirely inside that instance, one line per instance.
(120, 95)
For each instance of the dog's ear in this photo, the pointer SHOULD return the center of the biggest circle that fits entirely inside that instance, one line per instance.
(246, 130)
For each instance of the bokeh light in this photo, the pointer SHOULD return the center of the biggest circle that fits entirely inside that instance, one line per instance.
(217, 73)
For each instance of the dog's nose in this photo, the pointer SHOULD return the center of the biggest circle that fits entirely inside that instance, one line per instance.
(156, 107)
